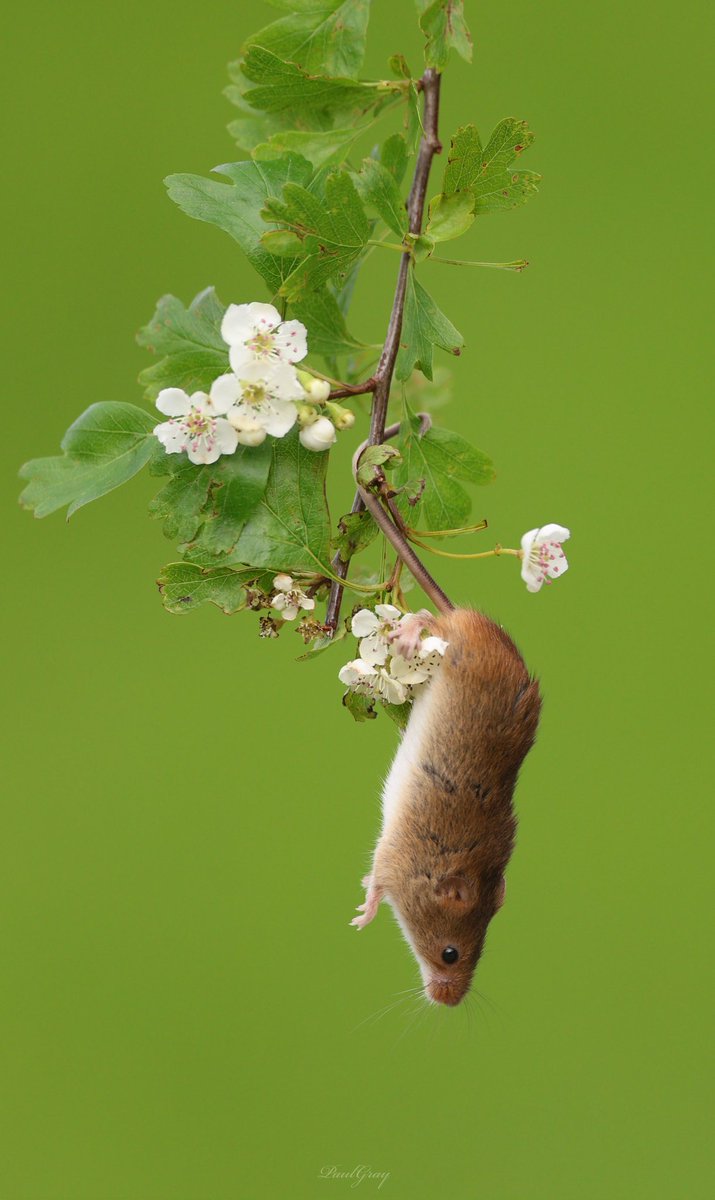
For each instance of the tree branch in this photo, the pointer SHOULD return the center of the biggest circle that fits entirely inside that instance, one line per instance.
(429, 146)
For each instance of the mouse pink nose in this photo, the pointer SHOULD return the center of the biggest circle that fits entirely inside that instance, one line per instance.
(444, 993)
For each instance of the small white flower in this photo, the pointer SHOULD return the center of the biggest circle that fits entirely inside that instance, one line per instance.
(542, 556)
(373, 628)
(289, 598)
(256, 334)
(198, 425)
(319, 435)
(264, 400)
(362, 677)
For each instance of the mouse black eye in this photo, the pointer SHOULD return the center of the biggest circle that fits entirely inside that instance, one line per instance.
(450, 955)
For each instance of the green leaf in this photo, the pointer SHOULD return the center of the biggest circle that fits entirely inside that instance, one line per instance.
(238, 482)
(327, 332)
(189, 341)
(450, 216)
(283, 87)
(180, 503)
(184, 586)
(334, 231)
(290, 529)
(441, 458)
(423, 327)
(490, 173)
(326, 37)
(378, 188)
(361, 708)
(394, 156)
(356, 532)
(320, 147)
(399, 713)
(374, 459)
(236, 207)
(104, 447)
(252, 126)
(445, 28)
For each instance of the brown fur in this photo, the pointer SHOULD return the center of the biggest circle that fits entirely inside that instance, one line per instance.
(441, 864)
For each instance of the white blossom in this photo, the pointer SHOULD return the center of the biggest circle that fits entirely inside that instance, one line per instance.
(373, 630)
(256, 334)
(289, 598)
(264, 400)
(362, 677)
(319, 435)
(198, 423)
(542, 556)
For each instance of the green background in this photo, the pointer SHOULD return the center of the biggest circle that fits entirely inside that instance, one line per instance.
(185, 1013)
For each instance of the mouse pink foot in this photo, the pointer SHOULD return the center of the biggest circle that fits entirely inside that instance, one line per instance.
(406, 638)
(368, 910)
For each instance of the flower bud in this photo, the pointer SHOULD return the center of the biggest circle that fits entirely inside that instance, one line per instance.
(342, 418)
(248, 431)
(320, 435)
(307, 414)
(317, 390)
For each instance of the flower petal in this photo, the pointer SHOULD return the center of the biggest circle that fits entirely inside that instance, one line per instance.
(553, 533)
(284, 583)
(203, 450)
(374, 649)
(364, 622)
(291, 341)
(226, 437)
(277, 417)
(171, 436)
(388, 612)
(243, 321)
(224, 392)
(432, 645)
(173, 402)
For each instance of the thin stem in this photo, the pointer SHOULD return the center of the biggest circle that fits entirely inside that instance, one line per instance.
(387, 245)
(495, 553)
(429, 146)
(519, 264)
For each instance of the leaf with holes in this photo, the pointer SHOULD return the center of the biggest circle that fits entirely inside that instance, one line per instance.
(104, 448)
(185, 586)
(490, 172)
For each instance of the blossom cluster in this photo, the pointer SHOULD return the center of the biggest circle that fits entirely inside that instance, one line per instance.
(263, 394)
(380, 671)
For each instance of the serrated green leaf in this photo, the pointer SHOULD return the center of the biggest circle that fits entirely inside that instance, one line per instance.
(490, 172)
(356, 532)
(104, 447)
(361, 708)
(450, 216)
(284, 87)
(334, 231)
(445, 28)
(185, 586)
(441, 458)
(378, 189)
(327, 331)
(327, 37)
(424, 326)
(394, 156)
(189, 341)
(238, 482)
(290, 529)
(236, 207)
(252, 126)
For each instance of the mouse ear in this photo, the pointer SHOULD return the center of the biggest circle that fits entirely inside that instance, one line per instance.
(454, 892)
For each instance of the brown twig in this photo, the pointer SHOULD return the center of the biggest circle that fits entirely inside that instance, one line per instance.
(353, 389)
(429, 146)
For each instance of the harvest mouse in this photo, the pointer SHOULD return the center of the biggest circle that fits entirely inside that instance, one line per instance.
(448, 822)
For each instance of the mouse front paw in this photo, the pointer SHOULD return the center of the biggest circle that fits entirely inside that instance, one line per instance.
(408, 635)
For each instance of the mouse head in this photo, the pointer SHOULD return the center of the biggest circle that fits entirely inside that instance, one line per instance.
(447, 932)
